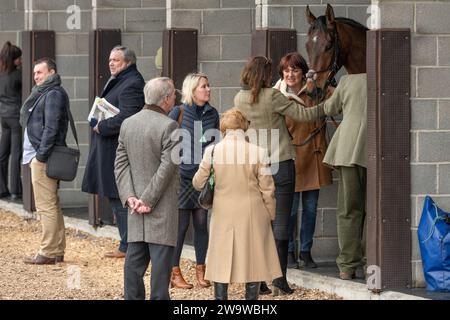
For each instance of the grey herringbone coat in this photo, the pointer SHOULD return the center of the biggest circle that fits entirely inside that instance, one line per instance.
(144, 169)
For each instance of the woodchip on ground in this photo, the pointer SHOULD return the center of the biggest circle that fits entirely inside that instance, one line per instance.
(86, 274)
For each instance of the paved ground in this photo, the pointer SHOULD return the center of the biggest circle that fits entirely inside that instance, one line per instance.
(85, 274)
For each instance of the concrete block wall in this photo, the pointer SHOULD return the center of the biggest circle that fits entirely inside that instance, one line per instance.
(224, 41)
(11, 21)
(430, 105)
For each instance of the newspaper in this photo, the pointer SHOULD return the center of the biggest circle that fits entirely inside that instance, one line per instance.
(101, 110)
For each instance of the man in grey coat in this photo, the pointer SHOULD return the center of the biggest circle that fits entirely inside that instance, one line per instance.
(147, 179)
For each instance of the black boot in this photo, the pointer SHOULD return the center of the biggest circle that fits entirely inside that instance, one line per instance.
(306, 260)
(220, 291)
(264, 289)
(280, 285)
(252, 290)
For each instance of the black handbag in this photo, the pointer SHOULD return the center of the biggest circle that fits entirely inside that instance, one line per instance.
(206, 197)
(62, 164)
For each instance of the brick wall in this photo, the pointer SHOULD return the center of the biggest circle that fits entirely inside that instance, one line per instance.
(430, 104)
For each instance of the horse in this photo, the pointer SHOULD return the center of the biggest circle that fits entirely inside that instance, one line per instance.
(333, 43)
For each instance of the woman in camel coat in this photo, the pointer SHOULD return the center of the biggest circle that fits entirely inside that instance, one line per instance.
(241, 244)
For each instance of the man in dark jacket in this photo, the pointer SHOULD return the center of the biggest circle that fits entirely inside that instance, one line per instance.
(45, 118)
(124, 90)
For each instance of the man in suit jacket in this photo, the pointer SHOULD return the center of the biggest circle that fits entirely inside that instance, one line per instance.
(146, 170)
(45, 117)
(125, 91)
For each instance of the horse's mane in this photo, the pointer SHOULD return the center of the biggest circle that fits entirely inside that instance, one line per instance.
(321, 23)
(352, 23)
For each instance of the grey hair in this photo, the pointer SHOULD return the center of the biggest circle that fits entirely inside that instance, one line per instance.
(128, 54)
(157, 89)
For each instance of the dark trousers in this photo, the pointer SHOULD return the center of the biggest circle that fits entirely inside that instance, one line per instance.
(138, 257)
(121, 215)
(10, 144)
(201, 238)
(284, 179)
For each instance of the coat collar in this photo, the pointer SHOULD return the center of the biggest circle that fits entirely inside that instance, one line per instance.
(154, 107)
(235, 134)
(207, 107)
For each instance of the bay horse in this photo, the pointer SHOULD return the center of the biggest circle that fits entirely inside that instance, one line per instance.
(333, 43)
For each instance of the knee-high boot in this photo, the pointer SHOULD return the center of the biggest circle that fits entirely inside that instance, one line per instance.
(280, 284)
(252, 290)
(220, 291)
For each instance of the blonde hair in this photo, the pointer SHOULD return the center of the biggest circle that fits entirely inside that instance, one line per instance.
(191, 83)
(233, 119)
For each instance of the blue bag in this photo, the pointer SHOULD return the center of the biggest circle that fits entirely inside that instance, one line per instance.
(434, 242)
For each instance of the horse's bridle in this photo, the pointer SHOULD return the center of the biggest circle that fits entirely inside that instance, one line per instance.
(320, 93)
(332, 68)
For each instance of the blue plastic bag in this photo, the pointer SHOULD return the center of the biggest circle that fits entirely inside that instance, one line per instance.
(434, 242)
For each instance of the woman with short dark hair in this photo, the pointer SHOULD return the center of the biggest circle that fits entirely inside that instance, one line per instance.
(310, 173)
(10, 103)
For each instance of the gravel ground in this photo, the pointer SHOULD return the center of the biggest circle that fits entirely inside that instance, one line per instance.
(85, 274)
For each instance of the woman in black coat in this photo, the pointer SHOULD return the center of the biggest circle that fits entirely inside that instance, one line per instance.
(10, 103)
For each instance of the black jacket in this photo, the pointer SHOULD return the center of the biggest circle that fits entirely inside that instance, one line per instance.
(125, 92)
(10, 94)
(48, 121)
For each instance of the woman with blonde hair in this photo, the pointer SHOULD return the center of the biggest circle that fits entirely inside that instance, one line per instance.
(195, 116)
(267, 108)
(241, 246)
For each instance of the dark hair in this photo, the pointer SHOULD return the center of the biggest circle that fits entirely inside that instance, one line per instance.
(8, 54)
(293, 60)
(257, 74)
(51, 64)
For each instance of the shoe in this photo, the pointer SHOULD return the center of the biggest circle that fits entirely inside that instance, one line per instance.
(280, 286)
(177, 280)
(220, 291)
(59, 259)
(291, 263)
(15, 196)
(347, 275)
(264, 289)
(252, 290)
(38, 259)
(115, 254)
(5, 195)
(200, 274)
(306, 261)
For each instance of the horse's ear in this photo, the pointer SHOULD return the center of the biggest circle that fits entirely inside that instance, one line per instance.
(330, 15)
(309, 16)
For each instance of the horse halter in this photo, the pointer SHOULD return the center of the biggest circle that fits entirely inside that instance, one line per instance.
(333, 68)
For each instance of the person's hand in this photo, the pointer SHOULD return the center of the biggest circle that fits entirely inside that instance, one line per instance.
(133, 203)
(330, 91)
(96, 130)
(143, 208)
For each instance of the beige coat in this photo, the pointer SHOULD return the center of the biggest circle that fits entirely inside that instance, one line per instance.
(241, 242)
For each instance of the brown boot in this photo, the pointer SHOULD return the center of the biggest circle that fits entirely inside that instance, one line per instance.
(177, 280)
(200, 273)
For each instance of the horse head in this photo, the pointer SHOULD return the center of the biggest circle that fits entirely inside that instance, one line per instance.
(333, 42)
(323, 49)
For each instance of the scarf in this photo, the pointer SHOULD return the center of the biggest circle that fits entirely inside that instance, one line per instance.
(37, 91)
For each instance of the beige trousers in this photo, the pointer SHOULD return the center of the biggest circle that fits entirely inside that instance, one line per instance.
(53, 242)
